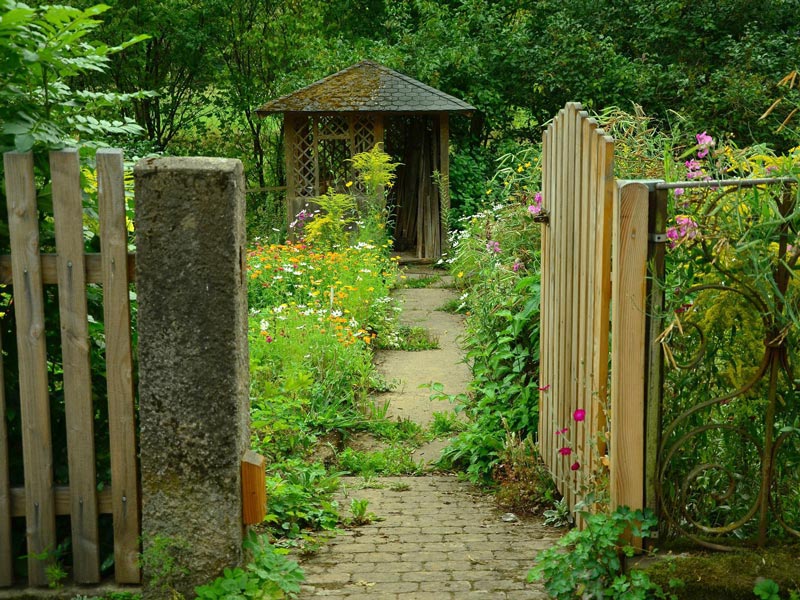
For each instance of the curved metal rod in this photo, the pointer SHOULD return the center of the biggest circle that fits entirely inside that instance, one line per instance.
(754, 299)
(700, 351)
(698, 407)
(704, 528)
(775, 497)
(680, 500)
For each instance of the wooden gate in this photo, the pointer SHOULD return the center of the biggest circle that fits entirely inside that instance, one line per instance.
(577, 191)
(592, 420)
(39, 500)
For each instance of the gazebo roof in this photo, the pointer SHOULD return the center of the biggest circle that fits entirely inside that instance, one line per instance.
(366, 87)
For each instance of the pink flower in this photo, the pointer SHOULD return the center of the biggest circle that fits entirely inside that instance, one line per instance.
(544, 388)
(575, 466)
(516, 266)
(536, 207)
(678, 191)
(704, 142)
(579, 415)
(493, 246)
(562, 431)
(565, 451)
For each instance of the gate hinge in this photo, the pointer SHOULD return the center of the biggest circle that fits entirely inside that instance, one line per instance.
(542, 217)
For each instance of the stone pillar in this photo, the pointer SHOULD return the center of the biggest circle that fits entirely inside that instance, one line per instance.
(193, 368)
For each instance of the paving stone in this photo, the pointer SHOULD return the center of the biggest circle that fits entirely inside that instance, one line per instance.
(455, 551)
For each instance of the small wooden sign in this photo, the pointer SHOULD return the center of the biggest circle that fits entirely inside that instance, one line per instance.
(254, 488)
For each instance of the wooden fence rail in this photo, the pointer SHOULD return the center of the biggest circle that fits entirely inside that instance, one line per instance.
(27, 270)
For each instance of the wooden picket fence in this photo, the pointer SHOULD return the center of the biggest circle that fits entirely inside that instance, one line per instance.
(27, 270)
(593, 223)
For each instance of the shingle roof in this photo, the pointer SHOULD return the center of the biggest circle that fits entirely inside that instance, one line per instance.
(366, 87)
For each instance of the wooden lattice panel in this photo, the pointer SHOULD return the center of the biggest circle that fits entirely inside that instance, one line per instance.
(363, 134)
(303, 164)
(333, 126)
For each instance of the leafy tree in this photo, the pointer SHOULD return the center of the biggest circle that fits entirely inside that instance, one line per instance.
(41, 52)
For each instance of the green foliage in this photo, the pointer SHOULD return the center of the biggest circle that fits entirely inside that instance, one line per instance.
(376, 171)
(330, 228)
(393, 460)
(446, 423)
(558, 516)
(358, 508)
(161, 559)
(269, 576)
(586, 563)
(299, 497)
(42, 51)
(407, 337)
(525, 483)
(766, 589)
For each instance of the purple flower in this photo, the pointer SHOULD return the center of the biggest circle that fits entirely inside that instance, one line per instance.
(678, 191)
(493, 246)
(516, 266)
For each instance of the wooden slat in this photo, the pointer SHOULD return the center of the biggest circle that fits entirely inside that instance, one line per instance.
(568, 341)
(63, 501)
(583, 226)
(119, 365)
(79, 413)
(545, 356)
(587, 256)
(558, 291)
(6, 563)
(92, 261)
(605, 188)
(35, 405)
(628, 358)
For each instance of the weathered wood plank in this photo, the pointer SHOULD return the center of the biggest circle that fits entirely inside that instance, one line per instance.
(37, 448)
(6, 560)
(605, 185)
(79, 413)
(92, 264)
(545, 356)
(63, 501)
(119, 365)
(628, 326)
(583, 225)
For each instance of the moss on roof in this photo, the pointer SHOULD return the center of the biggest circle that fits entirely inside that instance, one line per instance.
(366, 87)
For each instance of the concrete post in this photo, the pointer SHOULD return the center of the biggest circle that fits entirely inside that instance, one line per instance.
(193, 368)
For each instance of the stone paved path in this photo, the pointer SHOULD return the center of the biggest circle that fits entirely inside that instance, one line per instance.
(436, 538)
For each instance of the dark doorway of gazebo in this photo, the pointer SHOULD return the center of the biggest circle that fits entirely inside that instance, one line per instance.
(414, 141)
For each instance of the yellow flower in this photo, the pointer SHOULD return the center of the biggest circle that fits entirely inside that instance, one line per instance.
(488, 192)
(519, 169)
(348, 184)
(527, 165)
(460, 274)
